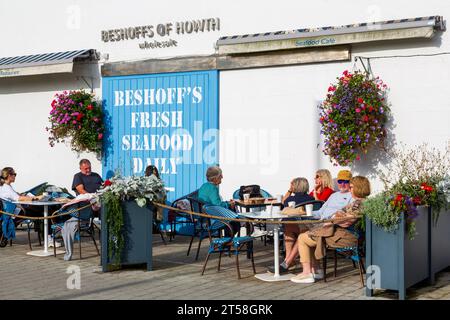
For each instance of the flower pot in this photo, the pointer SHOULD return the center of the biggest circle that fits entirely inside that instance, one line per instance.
(137, 232)
(402, 262)
(440, 243)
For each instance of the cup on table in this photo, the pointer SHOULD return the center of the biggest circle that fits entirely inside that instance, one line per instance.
(45, 194)
(291, 204)
(246, 197)
(279, 198)
(309, 209)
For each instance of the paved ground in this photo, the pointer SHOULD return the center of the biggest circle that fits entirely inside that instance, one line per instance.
(177, 276)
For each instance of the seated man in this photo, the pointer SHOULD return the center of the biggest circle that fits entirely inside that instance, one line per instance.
(85, 184)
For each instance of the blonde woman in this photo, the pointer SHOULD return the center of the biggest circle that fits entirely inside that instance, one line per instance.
(323, 185)
(297, 192)
(7, 192)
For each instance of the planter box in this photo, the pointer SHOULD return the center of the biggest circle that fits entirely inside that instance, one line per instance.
(440, 243)
(402, 262)
(137, 236)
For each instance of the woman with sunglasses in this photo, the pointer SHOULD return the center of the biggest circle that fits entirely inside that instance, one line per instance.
(323, 185)
(7, 192)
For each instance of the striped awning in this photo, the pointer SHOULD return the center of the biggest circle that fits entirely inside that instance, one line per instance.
(46, 63)
(422, 27)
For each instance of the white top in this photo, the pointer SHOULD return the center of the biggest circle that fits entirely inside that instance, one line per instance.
(8, 193)
(335, 202)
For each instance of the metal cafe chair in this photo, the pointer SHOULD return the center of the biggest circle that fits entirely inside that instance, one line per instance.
(232, 244)
(8, 225)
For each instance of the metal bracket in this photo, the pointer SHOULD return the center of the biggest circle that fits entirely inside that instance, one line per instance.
(368, 67)
(91, 86)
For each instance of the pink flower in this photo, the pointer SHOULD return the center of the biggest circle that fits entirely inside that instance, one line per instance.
(100, 136)
(358, 110)
(74, 121)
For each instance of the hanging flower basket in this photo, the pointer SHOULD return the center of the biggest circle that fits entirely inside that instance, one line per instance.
(77, 116)
(353, 117)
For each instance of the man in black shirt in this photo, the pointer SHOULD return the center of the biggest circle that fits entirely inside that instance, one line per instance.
(86, 181)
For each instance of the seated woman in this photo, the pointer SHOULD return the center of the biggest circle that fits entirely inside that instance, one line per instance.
(151, 170)
(323, 185)
(311, 244)
(209, 193)
(7, 192)
(298, 193)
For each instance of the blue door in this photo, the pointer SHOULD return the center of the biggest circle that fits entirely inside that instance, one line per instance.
(168, 120)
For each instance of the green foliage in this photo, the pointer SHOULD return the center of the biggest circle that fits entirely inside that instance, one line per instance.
(114, 221)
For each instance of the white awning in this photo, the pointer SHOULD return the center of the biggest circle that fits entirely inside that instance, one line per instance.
(47, 63)
(423, 27)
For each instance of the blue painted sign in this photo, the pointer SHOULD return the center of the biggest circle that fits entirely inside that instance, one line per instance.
(168, 120)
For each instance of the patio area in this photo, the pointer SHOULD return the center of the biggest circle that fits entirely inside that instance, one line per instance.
(177, 276)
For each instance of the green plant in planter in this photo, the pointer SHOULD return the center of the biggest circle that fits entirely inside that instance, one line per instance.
(143, 190)
(414, 177)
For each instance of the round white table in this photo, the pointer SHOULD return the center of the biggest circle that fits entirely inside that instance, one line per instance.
(267, 215)
(45, 204)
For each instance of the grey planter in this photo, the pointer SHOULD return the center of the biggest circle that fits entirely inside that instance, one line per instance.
(402, 262)
(137, 235)
(440, 243)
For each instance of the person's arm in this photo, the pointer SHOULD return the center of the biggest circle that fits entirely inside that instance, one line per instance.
(214, 197)
(80, 189)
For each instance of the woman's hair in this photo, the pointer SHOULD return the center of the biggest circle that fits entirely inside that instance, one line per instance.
(213, 172)
(361, 186)
(300, 185)
(326, 178)
(5, 173)
(151, 169)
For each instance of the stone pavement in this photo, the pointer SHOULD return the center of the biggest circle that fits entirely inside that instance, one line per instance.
(177, 276)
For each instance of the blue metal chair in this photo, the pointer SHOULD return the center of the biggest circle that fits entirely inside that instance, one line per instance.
(8, 225)
(229, 244)
(85, 228)
(355, 253)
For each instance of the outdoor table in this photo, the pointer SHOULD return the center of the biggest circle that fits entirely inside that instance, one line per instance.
(45, 204)
(266, 215)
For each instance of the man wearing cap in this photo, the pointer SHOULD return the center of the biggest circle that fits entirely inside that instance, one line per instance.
(337, 200)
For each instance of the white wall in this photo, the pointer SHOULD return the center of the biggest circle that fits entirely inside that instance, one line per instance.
(282, 99)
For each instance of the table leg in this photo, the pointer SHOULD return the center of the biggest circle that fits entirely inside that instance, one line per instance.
(45, 229)
(276, 251)
(45, 252)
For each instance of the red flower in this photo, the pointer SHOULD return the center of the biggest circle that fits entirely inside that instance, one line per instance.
(358, 157)
(426, 187)
(53, 104)
(90, 107)
(365, 118)
(100, 136)
(398, 199)
(370, 108)
(79, 116)
(360, 100)
(417, 200)
(331, 88)
(107, 183)
(345, 73)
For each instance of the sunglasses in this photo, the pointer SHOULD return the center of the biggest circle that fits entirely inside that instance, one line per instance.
(317, 177)
(13, 174)
(343, 181)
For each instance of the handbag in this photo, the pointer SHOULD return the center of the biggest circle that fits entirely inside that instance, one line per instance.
(254, 191)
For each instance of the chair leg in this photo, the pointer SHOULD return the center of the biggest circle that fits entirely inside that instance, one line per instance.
(361, 272)
(220, 258)
(10, 242)
(79, 241)
(190, 245)
(162, 238)
(237, 264)
(324, 263)
(335, 263)
(206, 261)
(39, 234)
(198, 248)
(95, 243)
(29, 239)
(54, 246)
(354, 265)
(253, 264)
